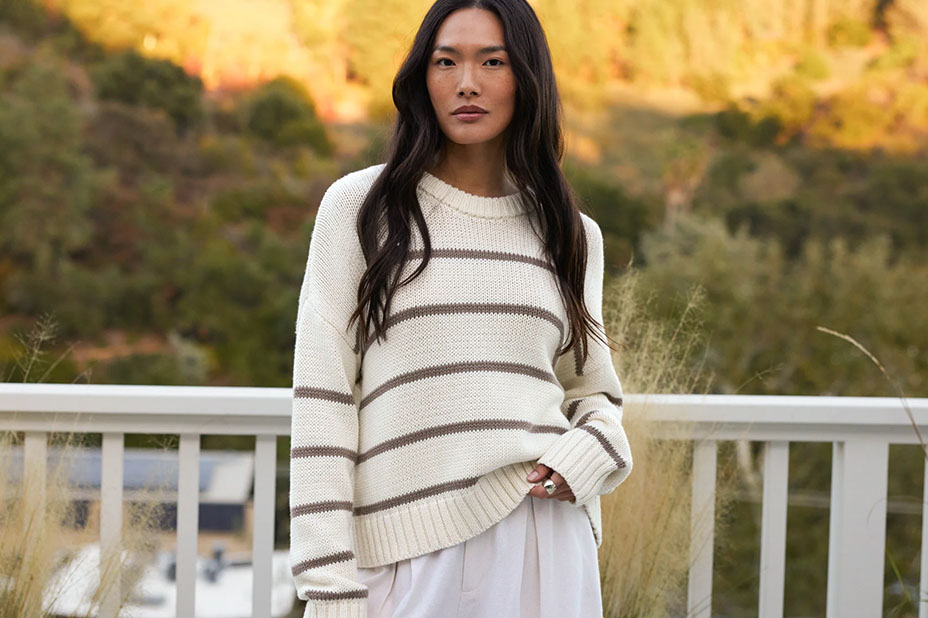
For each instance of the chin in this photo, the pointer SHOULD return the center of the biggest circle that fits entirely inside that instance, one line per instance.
(463, 138)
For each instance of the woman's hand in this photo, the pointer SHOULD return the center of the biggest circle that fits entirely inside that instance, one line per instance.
(563, 492)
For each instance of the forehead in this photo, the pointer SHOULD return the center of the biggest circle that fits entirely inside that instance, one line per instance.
(470, 28)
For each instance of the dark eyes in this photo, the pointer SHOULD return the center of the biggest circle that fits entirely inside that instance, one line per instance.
(440, 60)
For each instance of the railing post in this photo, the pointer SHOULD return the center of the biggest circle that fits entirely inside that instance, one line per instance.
(35, 479)
(857, 533)
(773, 529)
(263, 524)
(111, 481)
(923, 575)
(188, 522)
(35, 469)
(702, 529)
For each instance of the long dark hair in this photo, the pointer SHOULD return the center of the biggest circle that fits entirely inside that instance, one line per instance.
(534, 149)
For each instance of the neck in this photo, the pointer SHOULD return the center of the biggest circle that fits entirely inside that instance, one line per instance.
(479, 169)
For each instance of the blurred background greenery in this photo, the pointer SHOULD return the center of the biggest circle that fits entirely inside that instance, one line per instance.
(161, 162)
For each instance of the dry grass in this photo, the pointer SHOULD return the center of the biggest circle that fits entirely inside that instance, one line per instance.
(33, 508)
(644, 559)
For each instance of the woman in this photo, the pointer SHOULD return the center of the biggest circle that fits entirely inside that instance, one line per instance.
(450, 343)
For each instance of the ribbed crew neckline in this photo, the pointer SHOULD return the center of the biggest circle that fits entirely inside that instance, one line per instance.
(468, 203)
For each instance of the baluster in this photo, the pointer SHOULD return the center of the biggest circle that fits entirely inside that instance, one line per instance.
(773, 529)
(111, 481)
(702, 529)
(857, 533)
(263, 524)
(188, 509)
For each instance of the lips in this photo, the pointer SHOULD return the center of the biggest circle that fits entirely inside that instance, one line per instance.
(469, 109)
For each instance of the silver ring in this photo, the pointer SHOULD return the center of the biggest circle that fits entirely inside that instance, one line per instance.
(550, 486)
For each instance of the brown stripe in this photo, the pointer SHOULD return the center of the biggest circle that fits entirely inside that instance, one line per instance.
(482, 254)
(310, 392)
(416, 495)
(585, 418)
(572, 408)
(324, 595)
(342, 556)
(578, 359)
(452, 428)
(322, 451)
(320, 507)
(605, 444)
(449, 368)
(451, 308)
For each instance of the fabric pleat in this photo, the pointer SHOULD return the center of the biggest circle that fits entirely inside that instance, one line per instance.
(540, 561)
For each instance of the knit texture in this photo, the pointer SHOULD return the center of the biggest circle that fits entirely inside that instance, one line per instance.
(424, 440)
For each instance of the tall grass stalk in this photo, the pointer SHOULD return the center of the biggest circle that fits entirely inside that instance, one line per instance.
(893, 383)
(907, 603)
(35, 507)
(644, 559)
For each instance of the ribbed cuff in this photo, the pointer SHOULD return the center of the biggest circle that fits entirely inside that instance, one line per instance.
(352, 608)
(580, 459)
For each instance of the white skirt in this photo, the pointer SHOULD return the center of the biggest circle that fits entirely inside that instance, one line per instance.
(540, 561)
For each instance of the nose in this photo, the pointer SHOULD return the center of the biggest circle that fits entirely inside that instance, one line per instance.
(468, 84)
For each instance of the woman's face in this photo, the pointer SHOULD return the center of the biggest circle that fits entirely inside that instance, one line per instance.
(469, 65)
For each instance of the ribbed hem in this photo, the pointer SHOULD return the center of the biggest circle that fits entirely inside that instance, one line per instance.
(352, 608)
(400, 533)
(580, 459)
(468, 203)
(594, 513)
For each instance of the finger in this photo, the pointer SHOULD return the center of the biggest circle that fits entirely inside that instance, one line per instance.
(561, 493)
(562, 487)
(542, 471)
(538, 491)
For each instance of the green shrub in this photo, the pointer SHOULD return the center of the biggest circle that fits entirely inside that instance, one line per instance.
(852, 121)
(848, 32)
(790, 106)
(739, 125)
(713, 86)
(250, 201)
(26, 18)
(733, 123)
(623, 218)
(812, 65)
(901, 54)
(282, 113)
(227, 153)
(134, 79)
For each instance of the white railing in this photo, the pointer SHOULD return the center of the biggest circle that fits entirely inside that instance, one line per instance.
(861, 430)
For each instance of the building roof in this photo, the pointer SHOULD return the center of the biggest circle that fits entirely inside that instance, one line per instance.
(226, 477)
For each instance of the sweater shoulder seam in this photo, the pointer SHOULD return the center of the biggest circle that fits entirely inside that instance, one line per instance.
(312, 306)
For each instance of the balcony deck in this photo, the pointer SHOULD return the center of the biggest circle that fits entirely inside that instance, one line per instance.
(860, 429)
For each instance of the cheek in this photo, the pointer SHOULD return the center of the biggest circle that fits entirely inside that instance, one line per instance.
(431, 87)
(507, 94)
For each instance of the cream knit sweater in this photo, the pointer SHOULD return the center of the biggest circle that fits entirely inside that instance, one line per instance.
(425, 440)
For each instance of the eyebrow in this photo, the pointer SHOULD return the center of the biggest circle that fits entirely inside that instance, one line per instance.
(482, 50)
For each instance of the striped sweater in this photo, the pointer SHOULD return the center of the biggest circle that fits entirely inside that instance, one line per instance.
(424, 440)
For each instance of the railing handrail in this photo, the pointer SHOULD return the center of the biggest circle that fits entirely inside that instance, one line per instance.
(254, 410)
(270, 401)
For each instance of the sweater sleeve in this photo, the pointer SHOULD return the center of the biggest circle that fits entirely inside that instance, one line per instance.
(593, 455)
(324, 429)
